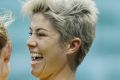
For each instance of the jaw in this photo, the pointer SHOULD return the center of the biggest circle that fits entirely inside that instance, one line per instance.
(64, 73)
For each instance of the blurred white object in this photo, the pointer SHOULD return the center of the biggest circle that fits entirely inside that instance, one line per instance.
(6, 16)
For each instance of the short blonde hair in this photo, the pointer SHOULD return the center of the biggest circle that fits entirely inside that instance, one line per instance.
(71, 18)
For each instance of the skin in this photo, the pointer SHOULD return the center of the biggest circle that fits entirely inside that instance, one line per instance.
(45, 40)
(4, 61)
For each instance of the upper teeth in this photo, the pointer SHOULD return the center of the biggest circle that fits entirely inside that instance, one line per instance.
(36, 55)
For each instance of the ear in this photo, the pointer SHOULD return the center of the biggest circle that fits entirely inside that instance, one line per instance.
(73, 46)
(8, 49)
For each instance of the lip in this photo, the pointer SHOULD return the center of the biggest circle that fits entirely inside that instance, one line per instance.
(35, 63)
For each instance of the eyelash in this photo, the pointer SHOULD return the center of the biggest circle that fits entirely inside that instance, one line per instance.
(38, 34)
(30, 33)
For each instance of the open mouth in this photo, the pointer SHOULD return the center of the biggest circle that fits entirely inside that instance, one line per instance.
(36, 57)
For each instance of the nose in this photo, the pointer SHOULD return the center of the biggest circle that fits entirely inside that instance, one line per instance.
(31, 43)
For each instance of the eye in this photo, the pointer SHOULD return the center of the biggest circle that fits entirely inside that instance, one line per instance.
(30, 33)
(41, 34)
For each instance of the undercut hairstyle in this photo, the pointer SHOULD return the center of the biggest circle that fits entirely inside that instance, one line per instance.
(71, 18)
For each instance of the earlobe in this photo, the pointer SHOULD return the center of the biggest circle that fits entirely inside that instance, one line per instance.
(8, 52)
(73, 46)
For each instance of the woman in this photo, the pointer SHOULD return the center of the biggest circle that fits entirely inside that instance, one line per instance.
(5, 49)
(61, 34)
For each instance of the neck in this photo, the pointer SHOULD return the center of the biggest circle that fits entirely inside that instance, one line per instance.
(64, 74)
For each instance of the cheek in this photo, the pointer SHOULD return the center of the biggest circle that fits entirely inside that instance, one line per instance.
(51, 49)
(47, 46)
(55, 60)
(55, 54)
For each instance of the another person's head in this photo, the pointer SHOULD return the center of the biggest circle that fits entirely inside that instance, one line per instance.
(61, 33)
(5, 49)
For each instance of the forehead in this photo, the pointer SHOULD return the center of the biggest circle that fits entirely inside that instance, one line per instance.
(38, 16)
(38, 20)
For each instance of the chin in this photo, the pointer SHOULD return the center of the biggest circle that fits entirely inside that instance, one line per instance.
(40, 75)
(36, 73)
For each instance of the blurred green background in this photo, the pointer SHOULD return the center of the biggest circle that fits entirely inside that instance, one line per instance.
(101, 63)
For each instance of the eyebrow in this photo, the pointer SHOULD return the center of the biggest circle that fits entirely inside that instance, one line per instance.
(38, 29)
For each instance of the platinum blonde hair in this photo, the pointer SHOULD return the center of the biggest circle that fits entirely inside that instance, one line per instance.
(71, 18)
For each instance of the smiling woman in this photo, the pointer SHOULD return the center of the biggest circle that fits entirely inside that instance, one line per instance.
(61, 34)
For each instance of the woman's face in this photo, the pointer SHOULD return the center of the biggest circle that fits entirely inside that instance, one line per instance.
(47, 54)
